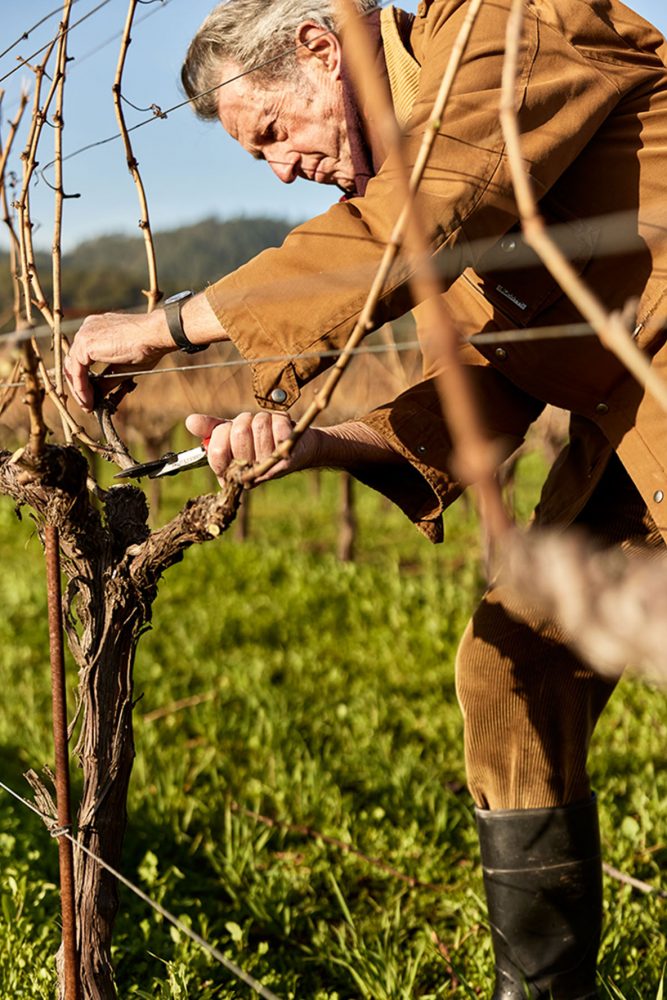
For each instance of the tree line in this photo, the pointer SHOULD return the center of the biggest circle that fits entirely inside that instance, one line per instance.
(109, 272)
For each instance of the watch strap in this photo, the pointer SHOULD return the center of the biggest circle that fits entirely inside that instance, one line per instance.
(172, 312)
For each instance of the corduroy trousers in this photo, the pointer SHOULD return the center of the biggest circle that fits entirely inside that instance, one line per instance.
(529, 704)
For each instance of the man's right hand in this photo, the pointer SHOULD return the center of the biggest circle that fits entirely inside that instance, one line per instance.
(252, 438)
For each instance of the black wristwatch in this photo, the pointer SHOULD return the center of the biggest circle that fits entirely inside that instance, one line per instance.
(172, 312)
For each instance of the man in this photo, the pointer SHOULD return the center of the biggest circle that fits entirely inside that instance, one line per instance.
(592, 99)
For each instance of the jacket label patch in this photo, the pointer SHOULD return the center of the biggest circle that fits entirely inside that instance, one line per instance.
(508, 295)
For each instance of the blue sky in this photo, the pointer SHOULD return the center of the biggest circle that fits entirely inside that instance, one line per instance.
(191, 169)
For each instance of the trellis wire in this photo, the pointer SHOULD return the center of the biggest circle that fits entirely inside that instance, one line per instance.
(102, 45)
(518, 335)
(58, 36)
(118, 34)
(57, 832)
(28, 31)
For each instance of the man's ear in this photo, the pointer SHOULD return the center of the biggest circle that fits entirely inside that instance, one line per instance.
(315, 42)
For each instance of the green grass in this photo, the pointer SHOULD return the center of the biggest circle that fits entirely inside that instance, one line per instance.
(327, 702)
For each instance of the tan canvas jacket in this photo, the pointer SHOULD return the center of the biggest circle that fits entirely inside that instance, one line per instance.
(592, 98)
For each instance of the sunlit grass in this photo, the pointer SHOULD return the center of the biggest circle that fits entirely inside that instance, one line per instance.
(324, 700)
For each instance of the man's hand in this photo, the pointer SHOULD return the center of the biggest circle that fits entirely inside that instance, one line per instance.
(124, 341)
(252, 438)
(130, 341)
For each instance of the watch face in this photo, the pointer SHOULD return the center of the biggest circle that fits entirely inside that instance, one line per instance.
(179, 297)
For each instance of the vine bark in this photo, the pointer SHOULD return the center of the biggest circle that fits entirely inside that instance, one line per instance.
(112, 563)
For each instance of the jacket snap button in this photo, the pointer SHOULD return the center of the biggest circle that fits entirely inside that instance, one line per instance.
(658, 496)
(602, 408)
(278, 396)
(500, 353)
(421, 449)
(508, 244)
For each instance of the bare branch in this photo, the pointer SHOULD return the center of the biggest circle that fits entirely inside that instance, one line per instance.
(475, 457)
(340, 845)
(14, 245)
(29, 274)
(106, 407)
(178, 706)
(202, 519)
(153, 294)
(66, 417)
(8, 394)
(61, 66)
(13, 128)
(635, 883)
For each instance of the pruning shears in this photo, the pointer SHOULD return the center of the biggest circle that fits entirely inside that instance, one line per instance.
(169, 464)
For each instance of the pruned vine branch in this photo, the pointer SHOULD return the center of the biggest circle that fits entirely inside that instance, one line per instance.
(107, 406)
(475, 458)
(61, 67)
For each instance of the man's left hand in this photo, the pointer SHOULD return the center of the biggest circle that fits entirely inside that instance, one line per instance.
(127, 341)
(123, 341)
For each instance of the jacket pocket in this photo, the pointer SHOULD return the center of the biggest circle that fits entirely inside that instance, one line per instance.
(512, 278)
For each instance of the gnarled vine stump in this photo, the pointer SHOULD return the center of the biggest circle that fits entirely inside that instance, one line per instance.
(113, 563)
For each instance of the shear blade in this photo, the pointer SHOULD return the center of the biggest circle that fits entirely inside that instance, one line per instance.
(145, 468)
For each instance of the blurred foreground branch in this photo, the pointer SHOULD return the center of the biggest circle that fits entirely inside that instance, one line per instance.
(475, 458)
(612, 604)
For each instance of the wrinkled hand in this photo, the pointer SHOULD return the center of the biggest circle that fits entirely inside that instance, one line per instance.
(252, 438)
(124, 341)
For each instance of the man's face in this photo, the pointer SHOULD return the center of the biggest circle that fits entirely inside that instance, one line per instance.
(298, 125)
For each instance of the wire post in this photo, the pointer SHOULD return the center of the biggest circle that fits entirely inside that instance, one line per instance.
(65, 855)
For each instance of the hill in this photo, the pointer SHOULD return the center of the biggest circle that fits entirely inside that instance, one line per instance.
(110, 271)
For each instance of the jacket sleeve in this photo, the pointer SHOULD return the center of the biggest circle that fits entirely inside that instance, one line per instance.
(413, 425)
(304, 297)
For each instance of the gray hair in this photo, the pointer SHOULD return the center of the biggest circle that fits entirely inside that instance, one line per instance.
(251, 33)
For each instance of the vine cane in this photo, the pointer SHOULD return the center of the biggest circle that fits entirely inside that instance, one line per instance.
(72, 977)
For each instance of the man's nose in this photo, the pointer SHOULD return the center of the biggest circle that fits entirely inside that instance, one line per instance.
(284, 166)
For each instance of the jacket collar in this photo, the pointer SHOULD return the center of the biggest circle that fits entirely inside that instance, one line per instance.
(365, 148)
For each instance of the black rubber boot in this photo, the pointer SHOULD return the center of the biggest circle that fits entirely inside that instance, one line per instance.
(543, 880)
